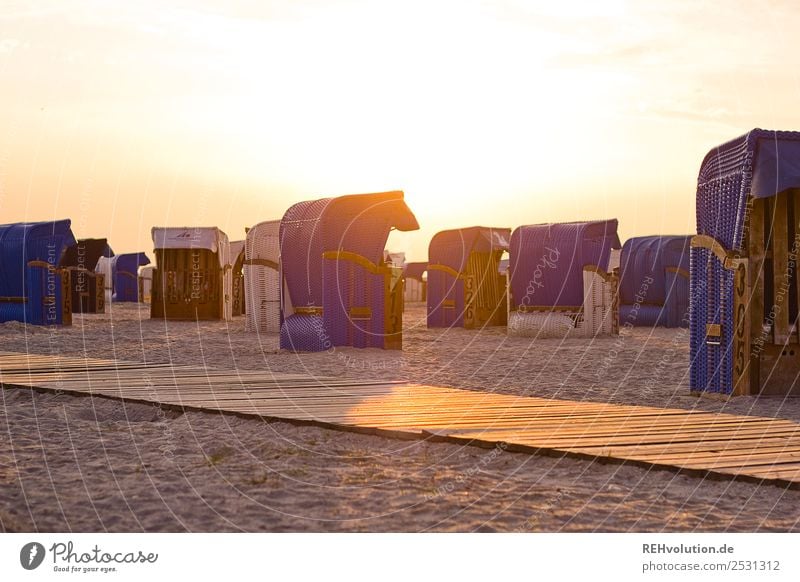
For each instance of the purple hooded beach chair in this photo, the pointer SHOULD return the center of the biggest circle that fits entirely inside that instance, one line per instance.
(337, 290)
(33, 288)
(654, 281)
(744, 284)
(559, 279)
(125, 271)
(465, 287)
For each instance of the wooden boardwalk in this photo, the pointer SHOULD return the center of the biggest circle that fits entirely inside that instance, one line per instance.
(703, 443)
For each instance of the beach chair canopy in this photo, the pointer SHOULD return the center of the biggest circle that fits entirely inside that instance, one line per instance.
(86, 253)
(415, 270)
(644, 262)
(760, 163)
(452, 248)
(546, 261)
(191, 237)
(261, 244)
(356, 223)
(129, 263)
(24, 242)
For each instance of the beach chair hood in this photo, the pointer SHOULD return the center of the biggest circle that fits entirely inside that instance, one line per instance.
(452, 248)
(190, 237)
(760, 163)
(357, 223)
(24, 242)
(86, 253)
(546, 261)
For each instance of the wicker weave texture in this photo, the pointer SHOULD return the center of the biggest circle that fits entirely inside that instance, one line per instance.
(546, 261)
(262, 279)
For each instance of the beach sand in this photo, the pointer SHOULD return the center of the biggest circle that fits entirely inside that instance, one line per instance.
(72, 463)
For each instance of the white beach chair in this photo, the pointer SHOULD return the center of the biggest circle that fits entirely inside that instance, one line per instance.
(146, 283)
(104, 267)
(262, 278)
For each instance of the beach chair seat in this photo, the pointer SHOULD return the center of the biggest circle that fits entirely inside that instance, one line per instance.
(595, 317)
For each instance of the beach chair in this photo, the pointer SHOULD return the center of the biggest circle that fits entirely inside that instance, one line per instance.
(262, 278)
(559, 280)
(744, 283)
(654, 281)
(146, 284)
(336, 288)
(237, 278)
(465, 287)
(33, 288)
(192, 280)
(414, 284)
(103, 268)
(87, 287)
(125, 272)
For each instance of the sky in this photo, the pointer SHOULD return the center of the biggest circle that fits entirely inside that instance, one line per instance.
(128, 115)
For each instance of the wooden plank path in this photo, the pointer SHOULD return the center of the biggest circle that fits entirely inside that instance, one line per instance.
(703, 443)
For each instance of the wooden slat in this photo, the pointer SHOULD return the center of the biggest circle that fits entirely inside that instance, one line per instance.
(756, 275)
(795, 200)
(780, 269)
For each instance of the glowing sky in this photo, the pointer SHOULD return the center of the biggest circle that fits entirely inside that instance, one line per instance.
(132, 114)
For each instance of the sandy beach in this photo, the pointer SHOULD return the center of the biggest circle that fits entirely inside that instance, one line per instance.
(72, 463)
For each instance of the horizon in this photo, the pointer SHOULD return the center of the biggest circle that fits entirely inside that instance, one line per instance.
(175, 113)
